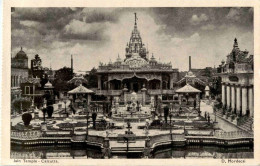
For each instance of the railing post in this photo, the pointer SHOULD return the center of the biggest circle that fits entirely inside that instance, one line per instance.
(106, 148)
(147, 149)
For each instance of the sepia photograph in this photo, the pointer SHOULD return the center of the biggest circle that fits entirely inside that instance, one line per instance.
(131, 83)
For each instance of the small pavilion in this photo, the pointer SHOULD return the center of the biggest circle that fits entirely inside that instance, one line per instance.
(77, 80)
(187, 95)
(80, 94)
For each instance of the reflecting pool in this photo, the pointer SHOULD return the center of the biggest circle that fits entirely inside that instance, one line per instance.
(69, 152)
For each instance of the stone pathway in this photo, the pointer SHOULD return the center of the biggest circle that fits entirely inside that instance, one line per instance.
(224, 125)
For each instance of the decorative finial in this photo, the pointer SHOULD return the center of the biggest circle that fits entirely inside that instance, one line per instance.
(21, 48)
(235, 43)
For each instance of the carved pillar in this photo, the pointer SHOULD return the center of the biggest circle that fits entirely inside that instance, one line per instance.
(233, 99)
(99, 82)
(109, 85)
(238, 99)
(244, 100)
(171, 81)
(223, 96)
(251, 100)
(124, 91)
(161, 82)
(228, 96)
(144, 95)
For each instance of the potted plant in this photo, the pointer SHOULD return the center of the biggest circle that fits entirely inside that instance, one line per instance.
(233, 116)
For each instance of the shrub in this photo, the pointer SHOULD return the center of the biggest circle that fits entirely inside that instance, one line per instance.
(44, 111)
(21, 103)
(233, 116)
(26, 117)
(49, 111)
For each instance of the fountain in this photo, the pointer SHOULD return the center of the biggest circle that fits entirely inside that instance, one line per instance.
(132, 112)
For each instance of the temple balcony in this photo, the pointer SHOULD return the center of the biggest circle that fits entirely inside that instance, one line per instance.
(159, 91)
(108, 92)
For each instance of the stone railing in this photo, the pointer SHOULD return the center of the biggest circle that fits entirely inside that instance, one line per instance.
(26, 155)
(108, 92)
(114, 92)
(165, 138)
(101, 92)
(95, 139)
(168, 91)
(26, 134)
(57, 134)
(232, 134)
(154, 91)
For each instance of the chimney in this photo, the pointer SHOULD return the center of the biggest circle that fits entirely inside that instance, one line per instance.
(71, 64)
(189, 63)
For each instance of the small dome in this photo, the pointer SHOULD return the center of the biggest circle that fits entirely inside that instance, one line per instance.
(48, 85)
(153, 59)
(190, 74)
(118, 59)
(21, 54)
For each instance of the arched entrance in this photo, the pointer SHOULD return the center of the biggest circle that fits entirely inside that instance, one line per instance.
(134, 84)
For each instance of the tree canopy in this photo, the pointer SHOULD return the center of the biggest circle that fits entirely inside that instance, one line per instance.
(92, 78)
(62, 76)
(20, 104)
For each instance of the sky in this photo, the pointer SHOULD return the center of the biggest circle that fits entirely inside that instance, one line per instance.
(94, 35)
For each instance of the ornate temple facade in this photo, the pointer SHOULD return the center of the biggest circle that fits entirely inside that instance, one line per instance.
(137, 73)
(19, 72)
(237, 78)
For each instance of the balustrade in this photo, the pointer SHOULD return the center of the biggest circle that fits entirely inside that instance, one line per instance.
(26, 134)
(232, 134)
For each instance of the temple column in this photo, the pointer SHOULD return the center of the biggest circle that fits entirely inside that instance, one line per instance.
(244, 100)
(131, 86)
(251, 100)
(16, 82)
(144, 95)
(171, 81)
(238, 103)
(89, 98)
(99, 82)
(11, 81)
(223, 95)
(228, 96)
(124, 91)
(233, 98)
(109, 85)
(161, 82)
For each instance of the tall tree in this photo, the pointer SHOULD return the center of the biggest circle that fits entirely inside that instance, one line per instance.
(92, 78)
(62, 76)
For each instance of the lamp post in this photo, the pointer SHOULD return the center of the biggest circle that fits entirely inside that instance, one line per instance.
(199, 106)
(171, 125)
(65, 102)
(87, 121)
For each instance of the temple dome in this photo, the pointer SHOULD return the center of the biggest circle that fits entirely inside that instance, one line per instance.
(48, 85)
(118, 59)
(190, 74)
(153, 59)
(21, 54)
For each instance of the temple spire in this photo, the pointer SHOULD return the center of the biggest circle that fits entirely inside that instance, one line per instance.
(135, 18)
(71, 64)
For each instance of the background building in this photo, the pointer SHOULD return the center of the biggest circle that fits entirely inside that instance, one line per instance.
(136, 73)
(19, 72)
(237, 75)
